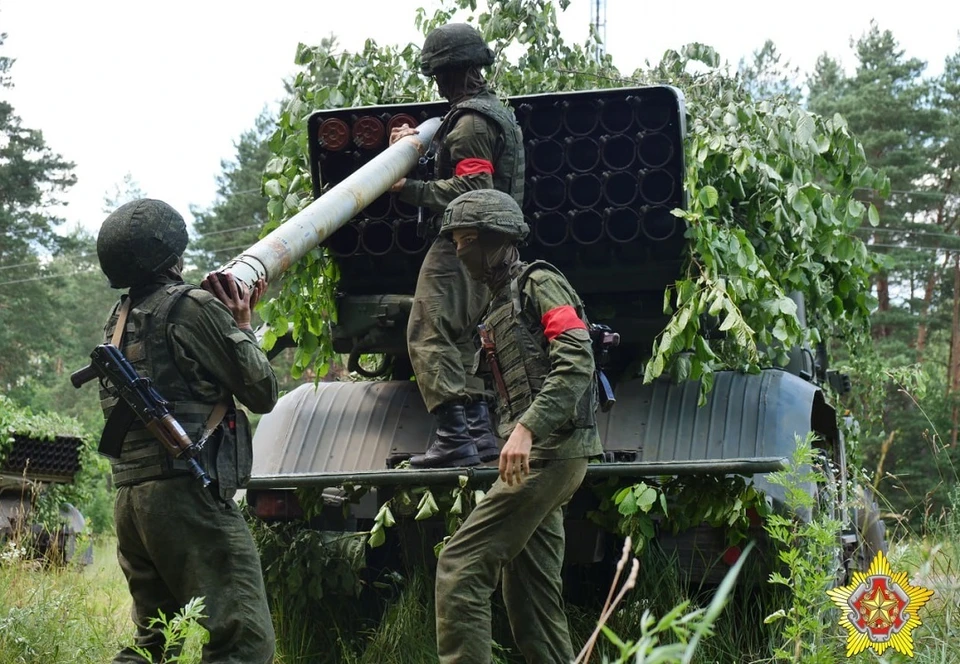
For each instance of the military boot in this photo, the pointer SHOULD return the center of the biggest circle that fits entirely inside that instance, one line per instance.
(453, 446)
(481, 430)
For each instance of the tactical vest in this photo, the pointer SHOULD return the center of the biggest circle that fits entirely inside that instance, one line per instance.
(509, 165)
(227, 456)
(521, 350)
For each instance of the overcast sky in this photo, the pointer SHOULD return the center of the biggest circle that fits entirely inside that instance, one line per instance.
(163, 89)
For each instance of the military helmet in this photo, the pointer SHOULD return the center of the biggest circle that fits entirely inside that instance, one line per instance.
(485, 210)
(454, 46)
(138, 240)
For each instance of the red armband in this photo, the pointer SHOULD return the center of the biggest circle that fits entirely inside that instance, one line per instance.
(473, 166)
(559, 320)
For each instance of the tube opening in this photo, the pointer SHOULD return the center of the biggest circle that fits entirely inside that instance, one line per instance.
(545, 120)
(546, 156)
(658, 224)
(346, 241)
(617, 151)
(379, 208)
(548, 192)
(616, 115)
(402, 208)
(550, 229)
(620, 188)
(377, 237)
(585, 190)
(580, 117)
(586, 226)
(654, 150)
(656, 187)
(623, 225)
(652, 116)
(408, 240)
(582, 154)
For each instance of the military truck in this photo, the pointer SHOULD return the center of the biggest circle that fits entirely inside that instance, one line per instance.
(604, 169)
(27, 466)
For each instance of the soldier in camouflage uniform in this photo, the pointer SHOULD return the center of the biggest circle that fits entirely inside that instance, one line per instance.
(543, 367)
(478, 146)
(176, 539)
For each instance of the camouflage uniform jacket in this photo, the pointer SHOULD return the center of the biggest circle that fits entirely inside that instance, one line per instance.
(202, 358)
(547, 297)
(475, 139)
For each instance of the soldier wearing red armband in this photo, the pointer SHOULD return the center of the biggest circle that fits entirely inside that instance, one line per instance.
(478, 146)
(537, 347)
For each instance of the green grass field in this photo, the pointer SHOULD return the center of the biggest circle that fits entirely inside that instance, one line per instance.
(80, 616)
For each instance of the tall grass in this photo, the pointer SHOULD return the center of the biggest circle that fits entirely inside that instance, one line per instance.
(934, 561)
(72, 615)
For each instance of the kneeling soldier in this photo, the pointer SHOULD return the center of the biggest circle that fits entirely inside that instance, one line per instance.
(537, 347)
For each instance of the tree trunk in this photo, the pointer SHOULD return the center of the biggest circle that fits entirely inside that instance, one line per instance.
(932, 279)
(883, 303)
(954, 368)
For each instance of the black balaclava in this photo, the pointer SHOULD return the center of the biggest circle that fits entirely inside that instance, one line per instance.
(172, 275)
(490, 258)
(456, 85)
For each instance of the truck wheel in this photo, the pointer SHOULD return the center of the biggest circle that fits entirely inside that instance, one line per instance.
(828, 507)
(871, 530)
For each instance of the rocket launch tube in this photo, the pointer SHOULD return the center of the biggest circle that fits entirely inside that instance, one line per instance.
(274, 254)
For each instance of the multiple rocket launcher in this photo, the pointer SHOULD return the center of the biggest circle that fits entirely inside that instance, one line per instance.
(604, 170)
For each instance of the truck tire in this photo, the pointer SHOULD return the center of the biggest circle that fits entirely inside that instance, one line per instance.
(871, 530)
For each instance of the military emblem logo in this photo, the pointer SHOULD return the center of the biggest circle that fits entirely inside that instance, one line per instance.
(880, 609)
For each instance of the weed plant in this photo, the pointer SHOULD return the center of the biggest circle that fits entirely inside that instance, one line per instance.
(72, 615)
(935, 562)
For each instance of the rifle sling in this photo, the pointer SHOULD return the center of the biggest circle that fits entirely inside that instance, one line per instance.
(117, 337)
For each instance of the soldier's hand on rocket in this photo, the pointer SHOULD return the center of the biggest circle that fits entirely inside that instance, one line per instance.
(234, 296)
(396, 134)
(515, 455)
(402, 131)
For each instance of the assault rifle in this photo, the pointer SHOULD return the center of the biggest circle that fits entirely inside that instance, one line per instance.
(138, 399)
(603, 339)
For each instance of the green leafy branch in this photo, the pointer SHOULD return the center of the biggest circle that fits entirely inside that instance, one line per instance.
(772, 211)
(385, 74)
(638, 510)
(454, 505)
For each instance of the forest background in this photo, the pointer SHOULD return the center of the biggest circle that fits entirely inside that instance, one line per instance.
(906, 390)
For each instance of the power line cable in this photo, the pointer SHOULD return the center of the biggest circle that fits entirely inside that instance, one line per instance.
(90, 255)
(65, 275)
(907, 232)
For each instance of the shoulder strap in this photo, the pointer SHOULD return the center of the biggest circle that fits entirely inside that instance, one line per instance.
(220, 409)
(117, 337)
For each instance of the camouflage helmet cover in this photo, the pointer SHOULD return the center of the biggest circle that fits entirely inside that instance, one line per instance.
(139, 240)
(485, 210)
(454, 46)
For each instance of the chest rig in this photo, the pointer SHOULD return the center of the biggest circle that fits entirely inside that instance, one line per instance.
(508, 164)
(522, 356)
(145, 346)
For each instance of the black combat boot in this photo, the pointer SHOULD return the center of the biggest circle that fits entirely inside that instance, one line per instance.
(481, 430)
(453, 445)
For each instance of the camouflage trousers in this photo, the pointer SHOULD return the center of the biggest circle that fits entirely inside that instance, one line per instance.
(447, 305)
(175, 541)
(515, 535)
